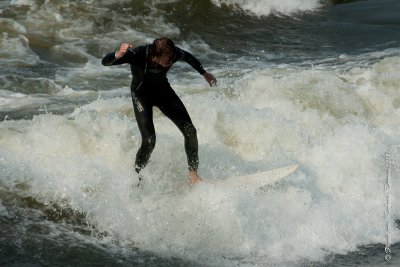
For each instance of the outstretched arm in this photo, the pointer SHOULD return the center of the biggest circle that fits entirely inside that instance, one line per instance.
(195, 63)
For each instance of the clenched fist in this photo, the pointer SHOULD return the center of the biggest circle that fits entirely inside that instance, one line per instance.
(122, 50)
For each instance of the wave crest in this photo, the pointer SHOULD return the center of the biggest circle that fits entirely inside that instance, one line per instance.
(267, 7)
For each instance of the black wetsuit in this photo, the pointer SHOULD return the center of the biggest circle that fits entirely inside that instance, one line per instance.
(150, 87)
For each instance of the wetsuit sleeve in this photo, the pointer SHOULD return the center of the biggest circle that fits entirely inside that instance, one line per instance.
(110, 59)
(133, 55)
(191, 60)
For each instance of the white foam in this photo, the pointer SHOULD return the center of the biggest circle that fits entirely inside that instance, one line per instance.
(16, 50)
(336, 123)
(267, 7)
(11, 26)
(22, 2)
(319, 118)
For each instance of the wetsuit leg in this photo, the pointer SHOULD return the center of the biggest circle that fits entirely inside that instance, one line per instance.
(175, 110)
(144, 117)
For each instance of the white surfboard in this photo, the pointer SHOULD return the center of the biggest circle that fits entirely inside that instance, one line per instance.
(253, 181)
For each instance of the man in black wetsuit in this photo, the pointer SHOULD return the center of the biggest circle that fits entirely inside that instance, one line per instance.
(150, 87)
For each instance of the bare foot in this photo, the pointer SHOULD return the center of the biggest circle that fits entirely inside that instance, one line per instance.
(194, 178)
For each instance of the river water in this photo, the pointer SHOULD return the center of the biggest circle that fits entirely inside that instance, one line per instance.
(305, 82)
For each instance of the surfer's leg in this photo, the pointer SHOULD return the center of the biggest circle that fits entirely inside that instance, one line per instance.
(174, 109)
(144, 118)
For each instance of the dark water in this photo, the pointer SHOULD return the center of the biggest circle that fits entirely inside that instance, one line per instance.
(310, 82)
(34, 234)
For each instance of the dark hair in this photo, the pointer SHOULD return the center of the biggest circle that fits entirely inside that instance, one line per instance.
(163, 48)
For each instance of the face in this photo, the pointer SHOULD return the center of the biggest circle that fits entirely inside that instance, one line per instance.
(162, 62)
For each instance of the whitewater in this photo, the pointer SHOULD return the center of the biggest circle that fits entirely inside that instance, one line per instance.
(304, 82)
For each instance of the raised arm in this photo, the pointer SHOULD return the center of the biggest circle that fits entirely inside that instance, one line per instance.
(118, 57)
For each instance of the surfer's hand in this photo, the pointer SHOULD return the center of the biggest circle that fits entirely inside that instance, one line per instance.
(122, 50)
(210, 79)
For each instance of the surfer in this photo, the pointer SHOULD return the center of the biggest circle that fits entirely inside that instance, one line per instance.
(150, 87)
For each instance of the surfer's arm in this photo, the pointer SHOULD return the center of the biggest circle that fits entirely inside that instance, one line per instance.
(111, 59)
(191, 60)
(125, 54)
(195, 63)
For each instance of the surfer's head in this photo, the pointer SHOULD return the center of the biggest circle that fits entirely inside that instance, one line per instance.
(163, 51)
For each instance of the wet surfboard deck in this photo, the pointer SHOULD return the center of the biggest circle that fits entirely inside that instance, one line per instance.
(256, 180)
